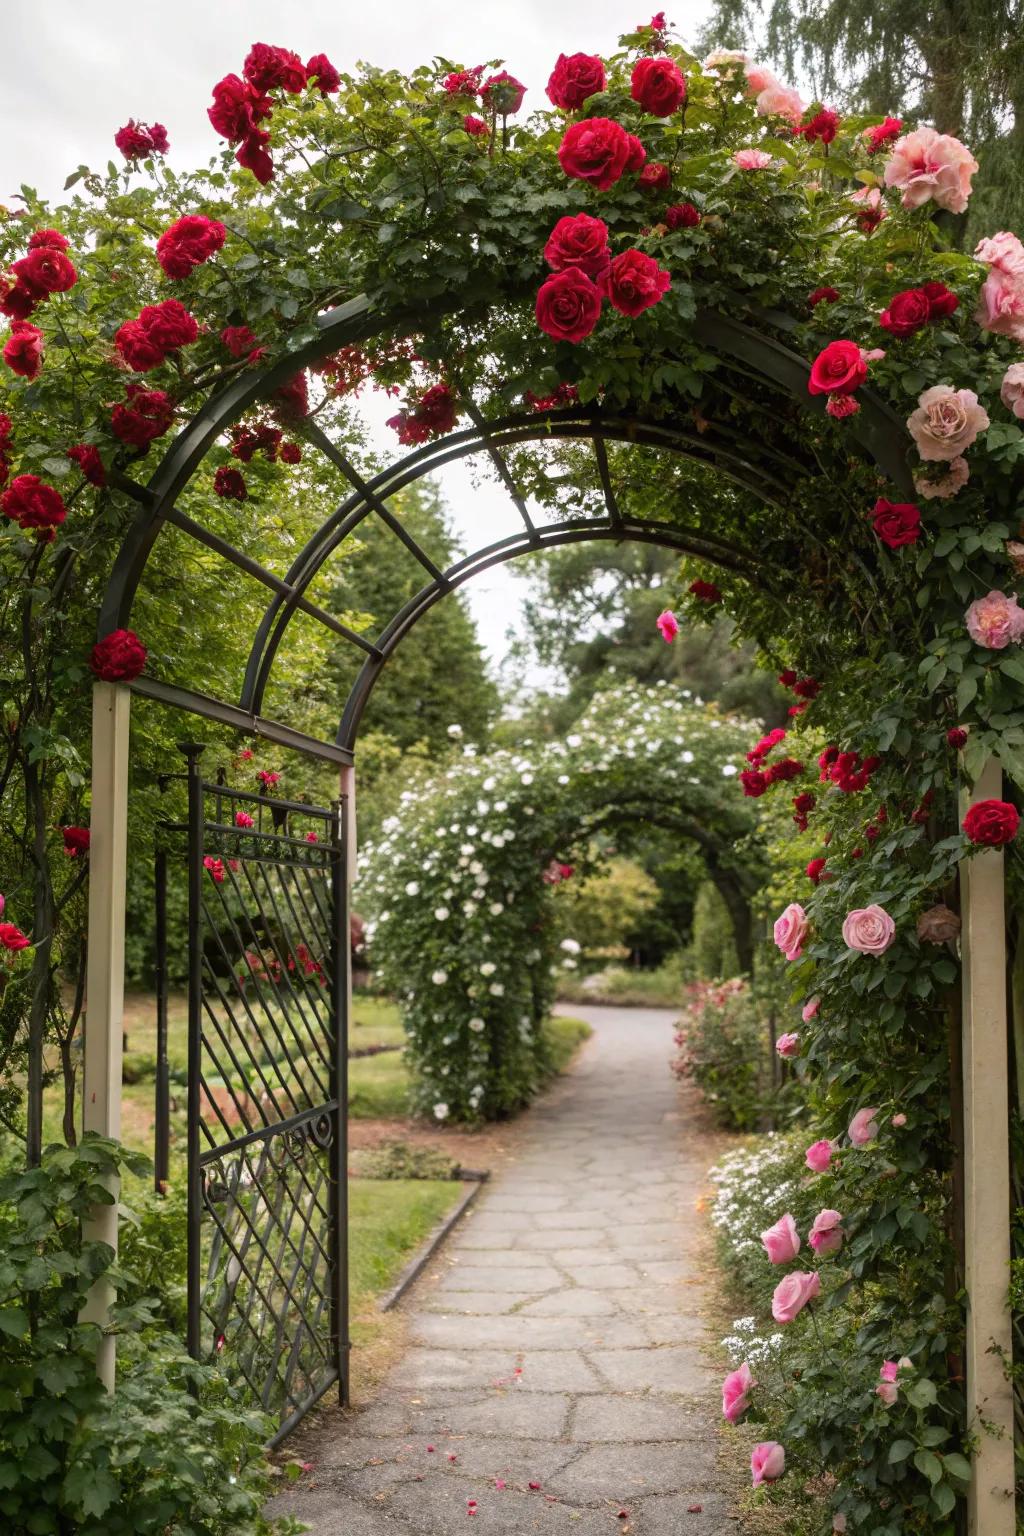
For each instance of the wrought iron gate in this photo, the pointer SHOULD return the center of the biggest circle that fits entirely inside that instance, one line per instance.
(268, 943)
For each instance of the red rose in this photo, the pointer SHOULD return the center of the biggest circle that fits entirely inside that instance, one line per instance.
(655, 177)
(568, 305)
(705, 591)
(635, 153)
(807, 688)
(168, 325)
(89, 462)
(118, 657)
(238, 339)
(189, 242)
(291, 453)
(437, 409)
(230, 483)
(658, 85)
(474, 125)
(580, 242)
(247, 441)
(237, 108)
(908, 312)
(822, 126)
(786, 769)
(991, 823)
(145, 415)
(137, 141)
(957, 737)
(47, 239)
(822, 296)
(787, 678)
(815, 870)
(896, 522)
(410, 431)
(838, 370)
(12, 938)
(267, 67)
(503, 93)
(575, 77)
(45, 270)
(464, 82)
(804, 802)
(76, 841)
(596, 150)
(137, 347)
(291, 401)
(23, 349)
(634, 282)
(881, 133)
(322, 73)
(32, 504)
(16, 300)
(842, 405)
(252, 155)
(682, 216)
(754, 782)
(942, 302)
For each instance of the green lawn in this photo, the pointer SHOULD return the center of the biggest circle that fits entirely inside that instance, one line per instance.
(389, 1220)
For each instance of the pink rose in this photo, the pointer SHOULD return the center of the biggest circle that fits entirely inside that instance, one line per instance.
(759, 78)
(736, 1389)
(863, 1128)
(995, 621)
(780, 101)
(810, 1009)
(839, 1524)
(1001, 301)
(1003, 251)
(751, 159)
(952, 480)
(767, 1462)
(1011, 390)
(946, 421)
(793, 1293)
(887, 1388)
(826, 1234)
(926, 165)
(788, 1045)
(791, 930)
(899, 1121)
(782, 1242)
(888, 1392)
(870, 208)
(870, 930)
(819, 1155)
(668, 625)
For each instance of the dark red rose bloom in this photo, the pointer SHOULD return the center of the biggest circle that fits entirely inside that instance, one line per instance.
(247, 441)
(705, 591)
(6, 429)
(252, 155)
(822, 296)
(957, 737)
(575, 77)
(991, 823)
(12, 938)
(169, 324)
(145, 415)
(322, 73)
(908, 312)
(896, 522)
(597, 150)
(137, 347)
(881, 133)
(229, 483)
(658, 85)
(634, 282)
(807, 688)
(822, 125)
(682, 216)
(464, 82)
(655, 177)
(437, 409)
(89, 462)
(23, 349)
(565, 394)
(871, 833)
(837, 370)
(33, 505)
(568, 305)
(503, 93)
(266, 68)
(787, 678)
(238, 339)
(754, 782)
(189, 242)
(76, 841)
(47, 240)
(118, 657)
(942, 302)
(237, 109)
(474, 125)
(636, 154)
(816, 870)
(137, 141)
(290, 453)
(17, 301)
(786, 769)
(804, 802)
(45, 270)
(291, 401)
(580, 242)
(411, 432)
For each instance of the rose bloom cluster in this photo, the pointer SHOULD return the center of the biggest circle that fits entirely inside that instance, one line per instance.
(241, 104)
(435, 413)
(585, 273)
(44, 270)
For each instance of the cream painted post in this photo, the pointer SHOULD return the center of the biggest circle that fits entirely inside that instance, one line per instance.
(987, 1178)
(104, 991)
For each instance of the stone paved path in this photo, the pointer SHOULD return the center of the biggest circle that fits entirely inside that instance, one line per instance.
(556, 1340)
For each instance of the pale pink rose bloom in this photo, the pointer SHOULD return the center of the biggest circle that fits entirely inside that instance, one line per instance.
(788, 1045)
(888, 1391)
(946, 421)
(1011, 390)
(1003, 251)
(767, 1462)
(782, 1242)
(819, 1155)
(926, 165)
(736, 1390)
(793, 1293)
(863, 1128)
(724, 58)
(751, 159)
(839, 1524)
(826, 1234)
(867, 197)
(995, 621)
(781, 101)
(759, 78)
(873, 355)
(899, 1121)
(791, 930)
(869, 930)
(1001, 304)
(945, 485)
(810, 1009)
(668, 625)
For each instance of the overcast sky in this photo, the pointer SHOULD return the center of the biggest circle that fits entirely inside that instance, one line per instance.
(75, 70)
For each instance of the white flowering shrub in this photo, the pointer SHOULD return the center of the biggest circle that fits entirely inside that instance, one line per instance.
(461, 885)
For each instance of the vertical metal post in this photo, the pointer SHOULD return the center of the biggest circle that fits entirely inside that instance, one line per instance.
(103, 1039)
(162, 1121)
(341, 973)
(987, 1179)
(196, 828)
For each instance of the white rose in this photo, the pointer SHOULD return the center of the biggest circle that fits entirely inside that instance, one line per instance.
(441, 913)
(439, 978)
(441, 1111)
(477, 1026)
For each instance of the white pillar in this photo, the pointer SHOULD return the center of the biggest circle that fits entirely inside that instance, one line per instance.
(104, 1010)
(987, 1178)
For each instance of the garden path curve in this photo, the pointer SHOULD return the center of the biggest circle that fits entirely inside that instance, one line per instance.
(557, 1338)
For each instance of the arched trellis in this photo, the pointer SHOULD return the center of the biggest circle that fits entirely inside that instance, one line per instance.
(755, 353)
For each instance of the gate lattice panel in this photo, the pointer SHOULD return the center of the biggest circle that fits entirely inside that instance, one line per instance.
(267, 1206)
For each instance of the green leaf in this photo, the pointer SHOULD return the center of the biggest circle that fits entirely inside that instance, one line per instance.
(966, 690)
(14, 1322)
(90, 1488)
(900, 1450)
(943, 1498)
(929, 1465)
(955, 1465)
